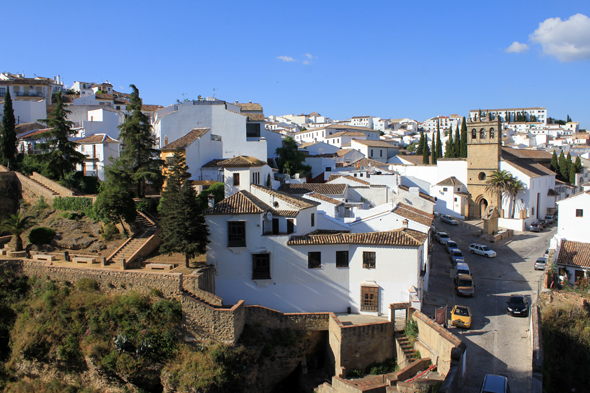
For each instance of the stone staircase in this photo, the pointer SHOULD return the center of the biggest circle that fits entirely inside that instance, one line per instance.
(43, 186)
(136, 242)
(406, 346)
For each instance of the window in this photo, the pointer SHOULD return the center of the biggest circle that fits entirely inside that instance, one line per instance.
(371, 152)
(444, 189)
(341, 258)
(579, 212)
(236, 234)
(2, 91)
(369, 260)
(253, 130)
(455, 199)
(236, 179)
(313, 219)
(328, 169)
(369, 298)
(481, 176)
(482, 133)
(491, 133)
(290, 225)
(380, 153)
(458, 189)
(314, 260)
(473, 134)
(260, 266)
(256, 178)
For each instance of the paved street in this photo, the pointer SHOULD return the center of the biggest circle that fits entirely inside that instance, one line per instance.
(496, 343)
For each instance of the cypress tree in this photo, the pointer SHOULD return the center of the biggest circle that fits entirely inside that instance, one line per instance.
(457, 147)
(450, 145)
(464, 138)
(554, 164)
(425, 151)
(569, 119)
(60, 154)
(420, 147)
(563, 170)
(8, 140)
(439, 153)
(569, 164)
(434, 150)
(572, 175)
(578, 164)
(183, 224)
(139, 161)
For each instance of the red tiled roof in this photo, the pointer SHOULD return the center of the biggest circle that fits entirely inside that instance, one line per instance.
(411, 213)
(290, 199)
(242, 202)
(574, 254)
(321, 188)
(96, 138)
(35, 133)
(371, 143)
(400, 237)
(356, 179)
(324, 198)
(450, 181)
(183, 142)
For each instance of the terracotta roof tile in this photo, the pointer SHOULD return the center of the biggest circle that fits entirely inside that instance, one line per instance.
(249, 106)
(321, 188)
(370, 162)
(400, 237)
(35, 133)
(356, 179)
(343, 152)
(346, 133)
(183, 142)
(450, 181)
(530, 167)
(375, 143)
(285, 213)
(104, 96)
(290, 199)
(574, 254)
(241, 161)
(411, 213)
(332, 177)
(96, 138)
(324, 198)
(242, 202)
(151, 108)
(510, 153)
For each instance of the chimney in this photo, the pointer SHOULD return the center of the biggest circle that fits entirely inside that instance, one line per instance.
(405, 223)
(211, 200)
(58, 80)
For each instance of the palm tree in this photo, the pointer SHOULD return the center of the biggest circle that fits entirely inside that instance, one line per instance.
(516, 187)
(499, 183)
(16, 224)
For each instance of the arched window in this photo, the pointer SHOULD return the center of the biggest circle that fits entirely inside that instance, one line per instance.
(491, 133)
(481, 176)
(482, 134)
(473, 133)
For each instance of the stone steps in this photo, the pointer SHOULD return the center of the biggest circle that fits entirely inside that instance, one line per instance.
(406, 346)
(44, 186)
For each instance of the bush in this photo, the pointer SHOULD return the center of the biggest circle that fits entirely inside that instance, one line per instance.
(80, 204)
(387, 366)
(41, 204)
(355, 374)
(88, 285)
(109, 231)
(411, 329)
(41, 235)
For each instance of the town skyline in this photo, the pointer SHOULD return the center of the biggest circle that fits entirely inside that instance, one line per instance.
(387, 60)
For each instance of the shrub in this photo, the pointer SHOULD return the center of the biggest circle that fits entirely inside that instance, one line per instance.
(79, 204)
(355, 374)
(109, 231)
(411, 329)
(41, 204)
(86, 284)
(41, 235)
(156, 292)
(387, 366)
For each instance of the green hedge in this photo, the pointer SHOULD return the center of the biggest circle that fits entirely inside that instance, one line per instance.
(41, 235)
(79, 204)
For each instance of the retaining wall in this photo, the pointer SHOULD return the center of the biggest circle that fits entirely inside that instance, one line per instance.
(32, 191)
(62, 191)
(537, 349)
(272, 319)
(204, 322)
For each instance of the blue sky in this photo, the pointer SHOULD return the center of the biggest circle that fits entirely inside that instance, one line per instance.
(391, 59)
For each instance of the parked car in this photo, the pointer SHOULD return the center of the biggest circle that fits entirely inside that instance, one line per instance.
(451, 245)
(464, 285)
(535, 227)
(541, 264)
(550, 218)
(543, 223)
(494, 384)
(456, 256)
(461, 317)
(463, 268)
(448, 219)
(442, 237)
(546, 255)
(517, 306)
(480, 249)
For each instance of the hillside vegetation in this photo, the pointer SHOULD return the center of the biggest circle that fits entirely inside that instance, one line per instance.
(58, 337)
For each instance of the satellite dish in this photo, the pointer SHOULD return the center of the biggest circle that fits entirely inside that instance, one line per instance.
(268, 215)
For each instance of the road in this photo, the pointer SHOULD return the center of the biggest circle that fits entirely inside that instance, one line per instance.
(496, 343)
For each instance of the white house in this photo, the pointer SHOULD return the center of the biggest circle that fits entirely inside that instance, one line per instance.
(451, 197)
(510, 114)
(317, 148)
(572, 241)
(268, 250)
(98, 149)
(239, 173)
(376, 150)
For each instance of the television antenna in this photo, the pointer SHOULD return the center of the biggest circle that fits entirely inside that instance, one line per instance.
(214, 90)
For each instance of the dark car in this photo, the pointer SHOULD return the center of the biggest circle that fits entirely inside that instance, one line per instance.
(543, 223)
(464, 285)
(535, 227)
(451, 245)
(494, 384)
(517, 306)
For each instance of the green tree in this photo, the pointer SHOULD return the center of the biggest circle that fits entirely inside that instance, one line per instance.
(499, 183)
(450, 145)
(420, 147)
(218, 191)
(183, 224)
(290, 159)
(115, 204)
(434, 150)
(439, 153)
(572, 174)
(554, 164)
(515, 188)
(8, 140)
(139, 161)
(412, 147)
(569, 119)
(563, 169)
(463, 139)
(16, 225)
(60, 155)
(457, 141)
(425, 151)
(578, 164)
(569, 164)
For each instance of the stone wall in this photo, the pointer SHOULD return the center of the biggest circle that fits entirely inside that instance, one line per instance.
(62, 191)
(357, 346)
(32, 191)
(192, 284)
(204, 322)
(3, 168)
(537, 350)
(435, 342)
(206, 278)
(144, 250)
(272, 319)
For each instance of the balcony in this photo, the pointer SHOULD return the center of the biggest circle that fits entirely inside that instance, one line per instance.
(29, 94)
